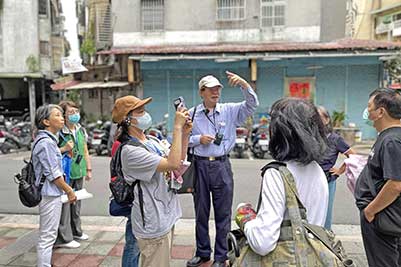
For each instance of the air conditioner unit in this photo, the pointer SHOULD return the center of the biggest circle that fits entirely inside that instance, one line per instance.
(383, 28)
(397, 28)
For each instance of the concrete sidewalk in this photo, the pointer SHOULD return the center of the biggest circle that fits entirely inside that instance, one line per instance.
(18, 235)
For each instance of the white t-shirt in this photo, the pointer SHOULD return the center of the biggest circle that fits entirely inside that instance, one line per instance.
(263, 232)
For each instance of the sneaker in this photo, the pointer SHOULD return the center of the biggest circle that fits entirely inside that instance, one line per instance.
(82, 237)
(72, 244)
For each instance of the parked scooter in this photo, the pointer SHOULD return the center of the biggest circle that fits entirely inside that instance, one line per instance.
(94, 135)
(159, 130)
(18, 137)
(241, 141)
(260, 142)
(102, 148)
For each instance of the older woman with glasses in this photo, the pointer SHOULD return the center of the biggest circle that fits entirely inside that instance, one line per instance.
(73, 138)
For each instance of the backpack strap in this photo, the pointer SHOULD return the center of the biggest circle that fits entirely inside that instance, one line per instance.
(282, 168)
(43, 178)
(136, 182)
(274, 165)
(41, 183)
(34, 145)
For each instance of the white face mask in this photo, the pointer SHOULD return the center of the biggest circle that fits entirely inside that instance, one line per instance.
(365, 116)
(144, 121)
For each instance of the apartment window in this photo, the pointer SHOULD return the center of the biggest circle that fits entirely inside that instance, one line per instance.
(397, 17)
(43, 7)
(272, 13)
(93, 94)
(44, 48)
(152, 12)
(229, 10)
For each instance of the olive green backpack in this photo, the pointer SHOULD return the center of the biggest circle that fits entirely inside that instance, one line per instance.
(300, 244)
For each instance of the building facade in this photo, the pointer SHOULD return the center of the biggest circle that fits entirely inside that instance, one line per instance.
(283, 47)
(159, 22)
(375, 20)
(31, 45)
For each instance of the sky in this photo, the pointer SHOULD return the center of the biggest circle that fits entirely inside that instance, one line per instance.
(70, 25)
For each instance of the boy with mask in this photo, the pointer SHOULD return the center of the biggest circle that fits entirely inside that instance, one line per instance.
(382, 174)
(72, 140)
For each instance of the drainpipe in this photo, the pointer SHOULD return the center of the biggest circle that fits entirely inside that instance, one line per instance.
(32, 100)
(43, 91)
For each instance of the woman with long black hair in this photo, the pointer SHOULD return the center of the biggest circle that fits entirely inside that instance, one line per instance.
(298, 140)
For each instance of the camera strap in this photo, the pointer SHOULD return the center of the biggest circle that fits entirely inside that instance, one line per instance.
(214, 119)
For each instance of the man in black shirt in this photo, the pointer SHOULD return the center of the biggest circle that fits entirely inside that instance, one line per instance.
(383, 174)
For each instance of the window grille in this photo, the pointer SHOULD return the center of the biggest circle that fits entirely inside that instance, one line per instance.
(44, 48)
(229, 10)
(152, 12)
(43, 7)
(272, 13)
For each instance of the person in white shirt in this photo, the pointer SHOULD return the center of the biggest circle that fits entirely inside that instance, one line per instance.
(296, 138)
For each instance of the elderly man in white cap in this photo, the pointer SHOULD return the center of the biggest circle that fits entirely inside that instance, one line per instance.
(212, 139)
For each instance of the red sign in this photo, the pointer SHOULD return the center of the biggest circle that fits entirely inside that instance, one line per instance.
(300, 89)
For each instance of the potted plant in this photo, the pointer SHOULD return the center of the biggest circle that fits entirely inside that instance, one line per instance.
(338, 119)
(88, 50)
(348, 133)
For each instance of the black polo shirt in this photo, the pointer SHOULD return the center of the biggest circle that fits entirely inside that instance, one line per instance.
(384, 163)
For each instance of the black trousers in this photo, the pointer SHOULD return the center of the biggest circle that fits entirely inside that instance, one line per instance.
(213, 178)
(70, 220)
(381, 250)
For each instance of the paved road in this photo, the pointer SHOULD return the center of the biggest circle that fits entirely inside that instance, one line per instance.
(246, 176)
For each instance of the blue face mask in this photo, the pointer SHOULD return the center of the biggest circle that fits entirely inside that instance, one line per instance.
(74, 118)
(365, 116)
(144, 121)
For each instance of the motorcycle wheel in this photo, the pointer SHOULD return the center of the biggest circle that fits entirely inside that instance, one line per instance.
(99, 151)
(6, 147)
(240, 154)
(259, 155)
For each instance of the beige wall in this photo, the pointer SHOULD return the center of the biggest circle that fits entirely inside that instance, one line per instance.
(364, 27)
(363, 22)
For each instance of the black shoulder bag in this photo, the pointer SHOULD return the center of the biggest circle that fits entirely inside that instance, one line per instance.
(189, 176)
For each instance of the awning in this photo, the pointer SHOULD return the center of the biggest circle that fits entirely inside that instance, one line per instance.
(21, 75)
(71, 85)
(287, 48)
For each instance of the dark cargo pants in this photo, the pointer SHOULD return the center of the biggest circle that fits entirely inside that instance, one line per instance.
(70, 221)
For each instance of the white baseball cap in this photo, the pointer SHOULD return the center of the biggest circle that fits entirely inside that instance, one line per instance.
(209, 81)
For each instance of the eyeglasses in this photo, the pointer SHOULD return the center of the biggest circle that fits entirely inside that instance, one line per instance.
(72, 111)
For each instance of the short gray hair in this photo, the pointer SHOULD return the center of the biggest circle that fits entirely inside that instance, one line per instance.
(43, 113)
